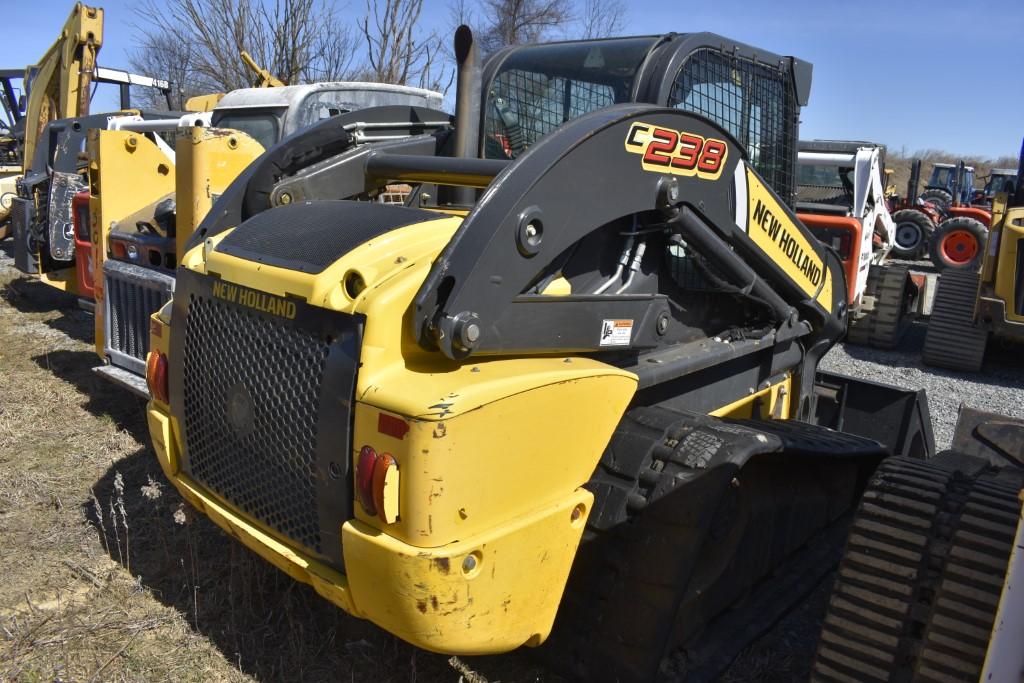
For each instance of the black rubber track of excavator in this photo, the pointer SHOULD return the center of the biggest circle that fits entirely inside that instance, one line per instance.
(952, 339)
(917, 589)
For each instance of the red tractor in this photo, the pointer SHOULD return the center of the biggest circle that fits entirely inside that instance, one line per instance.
(952, 236)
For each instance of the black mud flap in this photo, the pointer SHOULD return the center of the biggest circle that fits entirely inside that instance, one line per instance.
(999, 439)
(897, 418)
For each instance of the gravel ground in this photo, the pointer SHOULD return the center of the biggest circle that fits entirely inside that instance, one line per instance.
(998, 388)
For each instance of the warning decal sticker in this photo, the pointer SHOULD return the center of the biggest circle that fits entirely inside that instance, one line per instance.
(616, 332)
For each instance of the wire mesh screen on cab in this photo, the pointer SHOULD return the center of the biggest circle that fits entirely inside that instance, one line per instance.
(754, 102)
(527, 105)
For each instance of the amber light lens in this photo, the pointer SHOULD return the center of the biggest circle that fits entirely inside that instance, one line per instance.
(156, 376)
(364, 479)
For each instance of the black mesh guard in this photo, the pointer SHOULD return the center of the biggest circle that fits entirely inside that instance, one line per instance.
(265, 402)
(526, 106)
(755, 102)
(310, 236)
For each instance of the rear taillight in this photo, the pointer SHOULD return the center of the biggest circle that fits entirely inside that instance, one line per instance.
(156, 376)
(377, 484)
(364, 479)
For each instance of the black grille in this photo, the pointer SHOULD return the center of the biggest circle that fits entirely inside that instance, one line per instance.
(251, 398)
(23, 215)
(755, 102)
(132, 295)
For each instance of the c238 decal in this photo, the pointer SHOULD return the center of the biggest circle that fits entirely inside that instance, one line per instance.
(677, 152)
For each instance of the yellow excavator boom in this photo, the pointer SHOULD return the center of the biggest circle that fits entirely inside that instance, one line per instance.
(58, 86)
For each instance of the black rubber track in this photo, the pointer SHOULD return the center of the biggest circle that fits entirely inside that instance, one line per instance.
(884, 316)
(671, 535)
(952, 339)
(916, 592)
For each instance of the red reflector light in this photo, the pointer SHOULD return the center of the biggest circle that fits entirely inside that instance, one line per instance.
(364, 479)
(156, 376)
(390, 425)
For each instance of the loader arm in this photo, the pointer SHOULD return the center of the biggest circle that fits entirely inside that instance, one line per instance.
(522, 225)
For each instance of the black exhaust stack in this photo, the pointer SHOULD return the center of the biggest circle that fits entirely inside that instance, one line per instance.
(467, 106)
(915, 179)
(958, 183)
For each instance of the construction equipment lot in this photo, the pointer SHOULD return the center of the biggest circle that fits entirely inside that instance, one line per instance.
(114, 578)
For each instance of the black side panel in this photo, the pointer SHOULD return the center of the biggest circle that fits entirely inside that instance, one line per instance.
(310, 236)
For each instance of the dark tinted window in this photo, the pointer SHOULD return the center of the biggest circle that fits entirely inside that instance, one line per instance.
(264, 127)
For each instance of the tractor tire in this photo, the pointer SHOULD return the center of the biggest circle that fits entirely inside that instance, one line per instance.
(938, 197)
(886, 311)
(958, 244)
(953, 339)
(913, 230)
(921, 578)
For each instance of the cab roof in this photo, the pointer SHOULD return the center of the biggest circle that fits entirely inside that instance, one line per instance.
(284, 97)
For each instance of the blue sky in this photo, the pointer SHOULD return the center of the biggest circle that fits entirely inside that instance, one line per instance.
(909, 73)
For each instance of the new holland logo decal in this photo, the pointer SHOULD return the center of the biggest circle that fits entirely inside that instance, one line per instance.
(664, 150)
(258, 301)
(783, 241)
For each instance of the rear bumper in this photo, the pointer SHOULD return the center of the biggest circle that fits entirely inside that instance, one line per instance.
(489, 593)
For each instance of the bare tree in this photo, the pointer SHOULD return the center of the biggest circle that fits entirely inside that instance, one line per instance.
(396, 52)
(296, 40)
(514, 22)
(602, 18)
(163, 57)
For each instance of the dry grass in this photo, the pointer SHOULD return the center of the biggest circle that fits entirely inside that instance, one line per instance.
(899, 161)
(107, 575)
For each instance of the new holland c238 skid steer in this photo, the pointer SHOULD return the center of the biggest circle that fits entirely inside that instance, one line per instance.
(597, 319)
